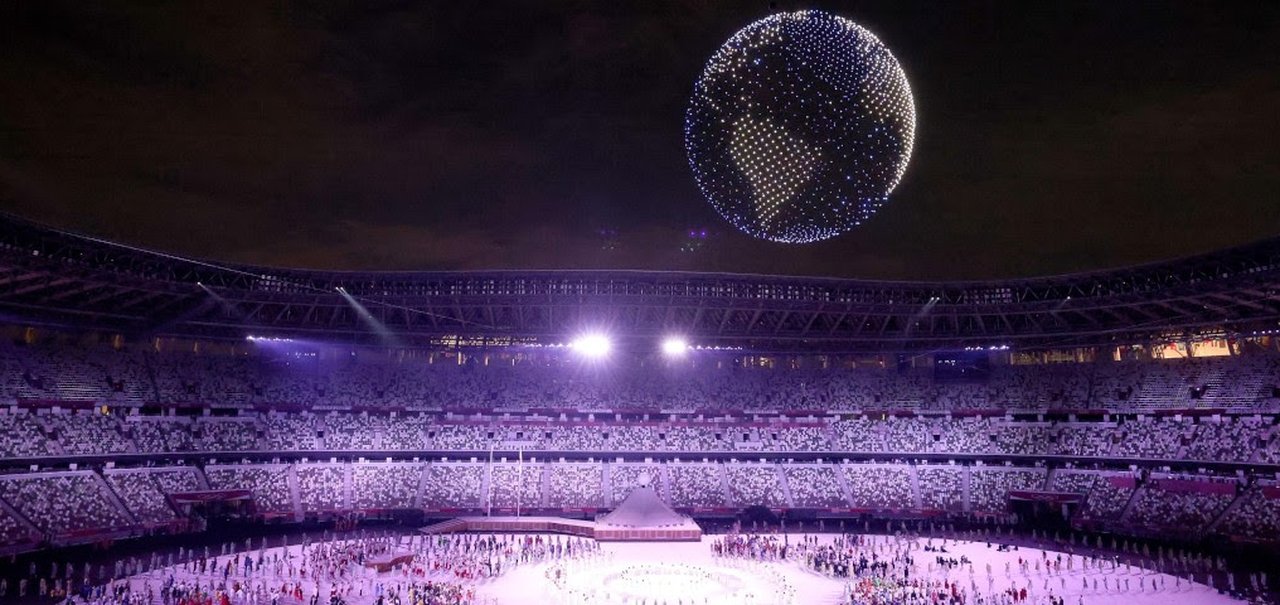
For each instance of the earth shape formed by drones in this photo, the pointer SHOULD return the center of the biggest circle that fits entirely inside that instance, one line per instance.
(800, 127)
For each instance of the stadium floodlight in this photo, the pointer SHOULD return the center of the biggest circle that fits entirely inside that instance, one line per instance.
(674, 346)
(593, 346)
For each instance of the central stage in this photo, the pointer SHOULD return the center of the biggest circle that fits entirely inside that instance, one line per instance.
(557, 525)
(642, 517)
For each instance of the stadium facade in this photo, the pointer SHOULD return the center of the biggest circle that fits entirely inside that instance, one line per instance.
(65, 279)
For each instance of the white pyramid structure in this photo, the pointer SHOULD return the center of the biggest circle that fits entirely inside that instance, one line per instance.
(643, 516)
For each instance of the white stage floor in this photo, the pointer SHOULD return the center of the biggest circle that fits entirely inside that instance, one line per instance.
(809, 588)
(687, 573)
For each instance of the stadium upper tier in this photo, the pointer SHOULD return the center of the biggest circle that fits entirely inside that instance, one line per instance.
(52, 276)
(1221, 409)
(377, 380)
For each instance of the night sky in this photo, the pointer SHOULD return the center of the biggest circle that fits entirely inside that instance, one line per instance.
(1052, 136)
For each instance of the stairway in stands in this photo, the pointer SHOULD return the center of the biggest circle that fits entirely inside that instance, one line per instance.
(420, 495)
(1128, 506)
(725, 491)
(843, 482)
(202, 478)
(786, 487)
(1226, 512)
(295, 493)
(544, 485)
(606, 486)
(917, 500)
(665, 473)
(1048, 480)
(10, 511)
(105, 487)
(348, 496)
(486, 484)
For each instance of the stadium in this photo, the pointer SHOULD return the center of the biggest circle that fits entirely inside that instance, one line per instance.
(181, 430)
(1159, 419)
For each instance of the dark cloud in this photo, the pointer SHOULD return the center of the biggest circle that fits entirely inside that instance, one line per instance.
(405, 135)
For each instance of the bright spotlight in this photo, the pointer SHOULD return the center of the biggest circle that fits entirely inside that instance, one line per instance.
(592, 345)
(674, 346)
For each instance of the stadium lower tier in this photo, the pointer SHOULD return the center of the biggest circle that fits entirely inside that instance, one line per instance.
(85, 505)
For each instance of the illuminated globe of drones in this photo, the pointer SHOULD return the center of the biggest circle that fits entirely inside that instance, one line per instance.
(800, 127)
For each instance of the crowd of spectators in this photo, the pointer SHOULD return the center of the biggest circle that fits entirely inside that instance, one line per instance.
(88, 432)
(74, 373)
(1225, 438)
(355, 431)
(1155, 506)
(321, 487)
(696, 485)
(385, 485)
(1256, 515)
(1217, 438)
(964, 435)
(573, 485)
(1269, 446)
(989, 487)
(814, 485)
(452, 485)
(22, 435)
(797, 438)
(1025, 438)
(260, 403)
(516, 485)
(220, 434)
(162, 433)
(288, 432)
(1160, 438)
(1105, 493)
(461, 436)
(1086, 439)
(269, 484)
(756, 484)
(144, 491)
(880, 486)
(13, 530)
(941, 487)
(385, 380)
(64, 502)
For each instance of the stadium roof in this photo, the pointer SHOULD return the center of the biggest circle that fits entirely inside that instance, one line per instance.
(53, 277)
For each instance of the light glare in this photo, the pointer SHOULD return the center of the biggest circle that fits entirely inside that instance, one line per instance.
(674, 346)
(592, 345)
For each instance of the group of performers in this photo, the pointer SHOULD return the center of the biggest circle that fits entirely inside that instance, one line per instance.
(427, 570)
(371, 568)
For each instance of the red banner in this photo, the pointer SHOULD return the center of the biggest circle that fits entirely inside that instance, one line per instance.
(222, 495)
(1190, 486)
(1054, 497)
(1122, 482)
